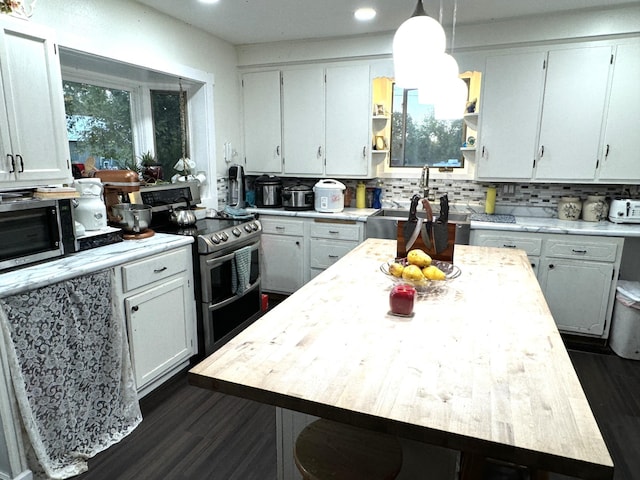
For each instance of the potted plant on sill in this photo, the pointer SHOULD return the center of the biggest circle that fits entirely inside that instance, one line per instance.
(151, 169)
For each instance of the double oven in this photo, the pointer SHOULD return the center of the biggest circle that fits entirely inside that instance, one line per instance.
(222, 248)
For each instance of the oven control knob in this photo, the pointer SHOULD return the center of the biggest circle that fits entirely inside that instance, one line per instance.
(223, 236)
(215, 239)
(236, 231)
(255, 226)
(248, 229)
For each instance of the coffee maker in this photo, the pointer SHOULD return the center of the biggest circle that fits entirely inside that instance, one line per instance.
(120, 186)
(236, 186)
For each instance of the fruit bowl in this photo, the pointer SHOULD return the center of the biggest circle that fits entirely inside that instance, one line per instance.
(424, 286)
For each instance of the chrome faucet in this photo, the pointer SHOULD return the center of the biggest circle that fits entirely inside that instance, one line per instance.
(424, 182)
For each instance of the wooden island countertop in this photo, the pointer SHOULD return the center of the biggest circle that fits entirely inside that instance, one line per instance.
(479, 368)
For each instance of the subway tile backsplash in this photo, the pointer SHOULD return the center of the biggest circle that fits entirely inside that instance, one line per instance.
(468, 193)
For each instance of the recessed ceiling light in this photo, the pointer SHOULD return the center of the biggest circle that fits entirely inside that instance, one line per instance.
(364, 14)
(209, 1)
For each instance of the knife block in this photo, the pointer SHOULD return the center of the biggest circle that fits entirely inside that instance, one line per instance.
(446, 255)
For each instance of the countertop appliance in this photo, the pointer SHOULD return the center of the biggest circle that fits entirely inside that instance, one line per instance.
(236, 186)
(329, 196)
(120, 186)
(221, 244)
(268, 191)
(297, 197)
(33, 230)
(624, 210)
(90, 210)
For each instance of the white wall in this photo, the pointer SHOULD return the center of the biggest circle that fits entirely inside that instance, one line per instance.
(133, 33)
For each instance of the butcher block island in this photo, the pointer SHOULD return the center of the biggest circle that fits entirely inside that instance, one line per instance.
(480, 367)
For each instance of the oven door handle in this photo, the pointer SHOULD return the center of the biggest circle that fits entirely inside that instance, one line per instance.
(213, 262)
(229, 300)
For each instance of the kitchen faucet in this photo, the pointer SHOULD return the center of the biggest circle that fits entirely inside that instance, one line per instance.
(424, 183)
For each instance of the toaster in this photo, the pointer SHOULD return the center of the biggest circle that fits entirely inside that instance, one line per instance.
(624, 210)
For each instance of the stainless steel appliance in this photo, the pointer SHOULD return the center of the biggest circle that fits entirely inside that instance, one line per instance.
(268, 191)
(223, 311)
(297, 197)
(33, 230)
(236, 186)
(624, 210)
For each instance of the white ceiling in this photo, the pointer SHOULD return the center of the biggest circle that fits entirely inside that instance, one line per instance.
(257, 21)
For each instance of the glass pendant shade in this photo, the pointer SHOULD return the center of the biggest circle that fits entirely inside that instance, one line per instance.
(452, 100)
(416, 43)
(442, 71)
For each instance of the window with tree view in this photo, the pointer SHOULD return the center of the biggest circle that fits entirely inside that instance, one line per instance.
(99, 125)
(418, 138)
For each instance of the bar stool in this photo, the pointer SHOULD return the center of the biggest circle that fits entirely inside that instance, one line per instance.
(329, 450)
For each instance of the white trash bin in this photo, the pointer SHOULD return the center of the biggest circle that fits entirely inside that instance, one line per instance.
(624, 337)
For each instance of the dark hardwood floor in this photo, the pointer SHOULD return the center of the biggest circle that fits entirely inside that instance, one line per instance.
(191, 433)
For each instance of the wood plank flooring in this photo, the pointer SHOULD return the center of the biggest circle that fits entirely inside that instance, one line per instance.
(191, 433)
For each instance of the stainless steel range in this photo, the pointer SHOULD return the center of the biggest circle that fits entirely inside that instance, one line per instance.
(226, 264)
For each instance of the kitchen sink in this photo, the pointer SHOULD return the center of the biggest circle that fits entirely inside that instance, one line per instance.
(401, 214)
(384, 224)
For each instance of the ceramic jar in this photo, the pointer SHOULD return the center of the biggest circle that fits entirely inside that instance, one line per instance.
(569, 208)
(595, 208)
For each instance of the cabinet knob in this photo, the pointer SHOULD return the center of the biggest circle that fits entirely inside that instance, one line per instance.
(551, 266)
(135, 308)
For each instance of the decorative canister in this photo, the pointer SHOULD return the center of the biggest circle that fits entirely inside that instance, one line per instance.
(595, 208)
(569, 208)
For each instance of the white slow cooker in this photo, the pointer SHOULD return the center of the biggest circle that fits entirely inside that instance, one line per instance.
(329, 196)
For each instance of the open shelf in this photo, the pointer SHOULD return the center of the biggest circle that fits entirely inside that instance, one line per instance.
(471, 119)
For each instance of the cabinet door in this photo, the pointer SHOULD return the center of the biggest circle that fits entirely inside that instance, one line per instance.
(509, 116)
(32, 88)
(159, 332)
(619, 151)
(262, 122)
(574, 101)
(348, 110)
(282, 268)
(577, 293)
(303, 125)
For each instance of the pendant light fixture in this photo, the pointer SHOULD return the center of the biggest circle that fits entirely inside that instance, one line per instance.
(416, 42)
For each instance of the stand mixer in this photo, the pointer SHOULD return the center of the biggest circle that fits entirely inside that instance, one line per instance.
(122, 187)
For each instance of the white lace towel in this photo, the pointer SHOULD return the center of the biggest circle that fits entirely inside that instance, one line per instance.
(71, 372)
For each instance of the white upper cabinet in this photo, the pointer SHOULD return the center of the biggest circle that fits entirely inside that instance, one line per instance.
(619, 149)
(510, 112)
(311, 121)
(303, 117)
(33, 135)
(262, 121)
(573, 109)
(348, 111)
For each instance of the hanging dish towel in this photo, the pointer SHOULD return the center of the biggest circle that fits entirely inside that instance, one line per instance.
(241, 271)
(71, 373)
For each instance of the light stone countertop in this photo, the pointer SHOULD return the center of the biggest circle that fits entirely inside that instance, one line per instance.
(524, 223)
(353, 214)
(87, 261)
(554, 225)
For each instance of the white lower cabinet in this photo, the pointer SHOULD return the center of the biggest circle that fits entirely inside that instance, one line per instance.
(158, 302)
(282, 256)
(329, 242)
(577, 274)
(295, 250)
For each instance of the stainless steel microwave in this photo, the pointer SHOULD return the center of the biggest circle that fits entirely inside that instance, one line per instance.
(33, 230)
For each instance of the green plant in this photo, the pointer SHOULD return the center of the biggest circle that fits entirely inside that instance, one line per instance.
(147, 159)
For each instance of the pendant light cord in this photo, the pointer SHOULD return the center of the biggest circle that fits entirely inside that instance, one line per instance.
(453, 32)
(183, 130)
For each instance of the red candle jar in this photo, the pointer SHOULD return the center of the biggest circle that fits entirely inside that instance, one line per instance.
(401, 299)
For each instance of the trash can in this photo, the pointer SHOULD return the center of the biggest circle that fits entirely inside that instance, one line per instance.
(624, 337)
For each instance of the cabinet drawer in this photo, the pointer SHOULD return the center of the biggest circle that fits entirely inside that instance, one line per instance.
(531, 245)
(324, 253)
(600, 251)
(335, 231)
(145, 272)
(282, 226)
